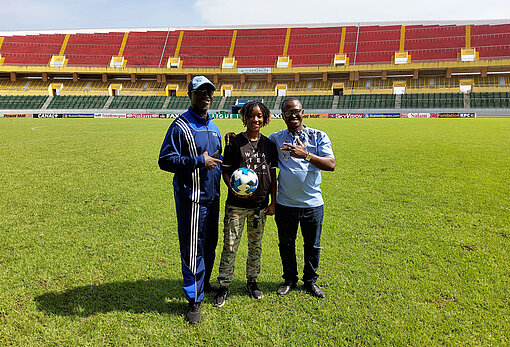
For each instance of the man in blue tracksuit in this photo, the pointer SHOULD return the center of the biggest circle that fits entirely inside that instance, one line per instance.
(191, 150)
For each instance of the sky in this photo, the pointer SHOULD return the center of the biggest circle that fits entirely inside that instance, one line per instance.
(29, 15)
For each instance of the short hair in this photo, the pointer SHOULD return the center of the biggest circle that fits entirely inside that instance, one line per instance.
(247, 108)
(289, 99)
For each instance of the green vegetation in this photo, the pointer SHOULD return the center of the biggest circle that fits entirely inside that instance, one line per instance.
(415, 241)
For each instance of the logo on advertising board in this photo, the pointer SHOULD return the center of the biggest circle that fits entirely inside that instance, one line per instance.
(109, 115)
(78, 115)
(142, 115)
(248, 70)
(18, 115)
(448, 115)
(324, 115)
(418, 115)
(345, 115)
(224, 115)
(456, 115)
(382, 115)
(48, 115)
(168, 115)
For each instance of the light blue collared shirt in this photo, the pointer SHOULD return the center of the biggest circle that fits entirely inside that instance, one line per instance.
(298, 180)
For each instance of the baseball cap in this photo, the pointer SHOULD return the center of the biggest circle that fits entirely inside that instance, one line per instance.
(198, 81)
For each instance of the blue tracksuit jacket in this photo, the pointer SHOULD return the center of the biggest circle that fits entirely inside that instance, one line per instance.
(188, 137)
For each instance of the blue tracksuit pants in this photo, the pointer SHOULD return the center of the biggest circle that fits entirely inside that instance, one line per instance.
(197, 225)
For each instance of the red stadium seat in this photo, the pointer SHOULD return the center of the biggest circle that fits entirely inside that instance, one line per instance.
(261, 47)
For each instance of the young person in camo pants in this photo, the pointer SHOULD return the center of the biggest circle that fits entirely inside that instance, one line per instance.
(252, 150)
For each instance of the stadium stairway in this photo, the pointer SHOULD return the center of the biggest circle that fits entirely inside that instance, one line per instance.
(47, 102)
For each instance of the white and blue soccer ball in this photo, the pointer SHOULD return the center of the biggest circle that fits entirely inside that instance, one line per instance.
(244, 181)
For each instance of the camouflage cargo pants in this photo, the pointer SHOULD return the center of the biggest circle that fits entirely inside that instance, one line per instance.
(233, 229)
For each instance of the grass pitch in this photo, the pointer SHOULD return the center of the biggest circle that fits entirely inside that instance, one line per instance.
(415, 239)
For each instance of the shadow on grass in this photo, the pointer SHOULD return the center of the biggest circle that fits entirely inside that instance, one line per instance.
(143, 296)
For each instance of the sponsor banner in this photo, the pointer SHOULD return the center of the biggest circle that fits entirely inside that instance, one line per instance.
(109, 115)
(418, 115)
(48, 115)
(319, 115)
(382, 115)
(224, 115)
(142, 115)
(78, 115)
(168, 115)
(18, 115)
(254, 70)
(345, 115)
(448, 115)
(467, 115)
(456, 115)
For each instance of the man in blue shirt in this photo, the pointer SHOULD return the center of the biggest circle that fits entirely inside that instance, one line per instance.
(302, 153)
(191, 150)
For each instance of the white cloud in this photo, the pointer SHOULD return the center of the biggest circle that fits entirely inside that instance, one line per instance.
(27, 14)
(218, 12)
(58, 14)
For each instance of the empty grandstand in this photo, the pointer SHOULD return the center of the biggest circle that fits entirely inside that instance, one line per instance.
(408, 67)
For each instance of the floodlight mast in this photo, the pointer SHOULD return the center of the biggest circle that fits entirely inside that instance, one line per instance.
(163, 51)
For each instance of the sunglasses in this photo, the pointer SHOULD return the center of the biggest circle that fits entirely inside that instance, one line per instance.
(292, 112)
(203, 92)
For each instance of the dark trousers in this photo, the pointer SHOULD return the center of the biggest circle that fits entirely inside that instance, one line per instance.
(310, 219)
(197, 226)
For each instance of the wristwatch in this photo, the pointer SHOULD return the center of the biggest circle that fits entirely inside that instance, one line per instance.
(308, 156)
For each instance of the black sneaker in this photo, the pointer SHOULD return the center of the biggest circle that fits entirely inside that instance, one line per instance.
(253, 290)
(285, 288)
(315, 290)
(221, 295)
(193, 315)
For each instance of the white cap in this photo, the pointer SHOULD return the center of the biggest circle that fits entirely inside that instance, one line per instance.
(198, 81)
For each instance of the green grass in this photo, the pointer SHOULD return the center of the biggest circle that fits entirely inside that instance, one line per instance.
(415, 239)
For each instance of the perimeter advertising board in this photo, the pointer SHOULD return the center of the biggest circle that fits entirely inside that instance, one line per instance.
(142, 115)
(316, 115)
(224, 116)
(418, 115)
(48, 115)
(109, 115)
(18, 115)
(345, 115)
(382, 115)
(456, 115)
(78, 115)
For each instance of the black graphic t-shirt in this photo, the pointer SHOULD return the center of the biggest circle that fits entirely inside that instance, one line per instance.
(260, 156)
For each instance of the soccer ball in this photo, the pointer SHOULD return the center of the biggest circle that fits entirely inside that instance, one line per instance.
(244, 181)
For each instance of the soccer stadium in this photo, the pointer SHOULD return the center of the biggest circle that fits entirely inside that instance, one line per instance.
(415, 69)
(415, 244)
